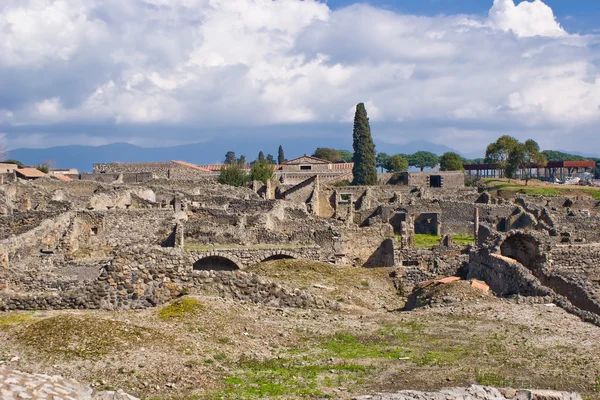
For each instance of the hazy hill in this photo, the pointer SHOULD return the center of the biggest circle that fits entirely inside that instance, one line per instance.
(83, 157)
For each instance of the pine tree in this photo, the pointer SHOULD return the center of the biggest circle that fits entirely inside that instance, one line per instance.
(365, 169)
(230, 158)
(280, 156)
(261, 156)
(242, 161)
(270, 159)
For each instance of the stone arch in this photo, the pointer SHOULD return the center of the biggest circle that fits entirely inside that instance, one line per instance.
(524, 248)
(280, 255)
(217, 262)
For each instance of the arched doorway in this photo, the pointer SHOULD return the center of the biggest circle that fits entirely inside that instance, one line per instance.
(215, 263)
(278, 257)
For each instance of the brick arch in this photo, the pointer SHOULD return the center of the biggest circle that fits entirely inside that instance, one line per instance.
(218, 261)
(280, 255)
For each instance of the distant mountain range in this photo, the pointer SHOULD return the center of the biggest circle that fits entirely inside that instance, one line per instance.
(212, 152)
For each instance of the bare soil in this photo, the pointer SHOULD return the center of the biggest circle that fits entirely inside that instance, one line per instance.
(204, 347)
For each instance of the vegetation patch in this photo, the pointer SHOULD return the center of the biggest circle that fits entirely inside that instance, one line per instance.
(287, 378)
(463, 240)
(427, 241)
(181, 308)
(537, 190)
(492, 379)
(348, 346)
(15, 318)
(69, 337)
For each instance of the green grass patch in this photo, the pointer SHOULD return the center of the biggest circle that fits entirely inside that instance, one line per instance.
(463, 240)
(347, 346)
(287, 378)
(69, 337)
(181, 308)
(426, 241)
(492, 379)
(14, 319)
(516, 186)
(439, 358)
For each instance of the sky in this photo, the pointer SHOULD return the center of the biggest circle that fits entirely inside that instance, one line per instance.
(166, 72)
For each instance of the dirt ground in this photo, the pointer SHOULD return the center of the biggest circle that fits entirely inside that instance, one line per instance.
(203, 347)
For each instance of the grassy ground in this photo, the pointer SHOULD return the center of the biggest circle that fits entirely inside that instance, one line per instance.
(429, 241)
(536, 188)
(202, 347)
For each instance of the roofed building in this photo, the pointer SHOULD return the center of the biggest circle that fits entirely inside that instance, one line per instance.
(29, 173)
(301, 168)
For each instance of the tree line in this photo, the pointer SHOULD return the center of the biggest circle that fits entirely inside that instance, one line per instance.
(506, 154)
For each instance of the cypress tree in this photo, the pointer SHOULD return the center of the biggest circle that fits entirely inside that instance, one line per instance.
(261, 156)
(280, 156)
(365, 169)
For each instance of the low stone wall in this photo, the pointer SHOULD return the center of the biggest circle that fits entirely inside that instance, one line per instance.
(244, 257)
(583, 260)
(143, 277)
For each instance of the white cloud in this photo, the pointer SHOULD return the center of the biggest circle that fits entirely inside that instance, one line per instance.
(261, 62)
(525, 19)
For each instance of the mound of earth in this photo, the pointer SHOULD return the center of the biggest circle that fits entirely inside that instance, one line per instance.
(439, 293)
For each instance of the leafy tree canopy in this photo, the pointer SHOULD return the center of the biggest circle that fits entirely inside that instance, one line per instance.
(396, 163)
(346, 155)
(262, 171)
(230, 158)
(553, 155)
(327, 154)
(451, 162)
(19, 163)
(233, 175)
(423, 159)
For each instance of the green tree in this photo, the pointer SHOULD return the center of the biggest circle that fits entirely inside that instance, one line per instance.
(498, 155)
(346, 155)
(262, 171)
(528, 156)
(327, 154)
(280, 155)
(364, 169)
(19, 163)
(381, 160)
(233, 175)
(553, 155)
(261, 156)
(242, 161)
(423, 159)
(230, 158)
(451, 162)
(270, 159)
(396, 163)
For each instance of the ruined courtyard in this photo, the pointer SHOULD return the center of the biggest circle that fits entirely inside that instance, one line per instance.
(168, 285)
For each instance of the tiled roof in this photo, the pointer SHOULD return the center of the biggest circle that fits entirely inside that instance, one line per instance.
(63, 178)
(30, 172)
(189, 165)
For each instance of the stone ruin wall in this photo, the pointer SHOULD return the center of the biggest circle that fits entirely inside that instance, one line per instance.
(141, 277)
(518, 263)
